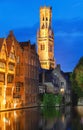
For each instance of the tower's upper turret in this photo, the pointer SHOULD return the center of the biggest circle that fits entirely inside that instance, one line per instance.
(45, 17)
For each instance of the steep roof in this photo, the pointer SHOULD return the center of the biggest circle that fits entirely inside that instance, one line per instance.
(9, 40)
(8, 45)
(11, 36)
(1, 42)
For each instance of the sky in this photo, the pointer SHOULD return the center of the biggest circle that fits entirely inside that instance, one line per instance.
(22, 16)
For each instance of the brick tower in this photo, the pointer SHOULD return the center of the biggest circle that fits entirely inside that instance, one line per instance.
(45, 39)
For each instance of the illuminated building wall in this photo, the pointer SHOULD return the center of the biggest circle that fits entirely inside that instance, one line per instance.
(45, 39)
(19, 64)
(31, 73)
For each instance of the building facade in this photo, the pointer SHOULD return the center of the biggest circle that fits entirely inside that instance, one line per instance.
(19, 71)
(55, 81)
(45, 39)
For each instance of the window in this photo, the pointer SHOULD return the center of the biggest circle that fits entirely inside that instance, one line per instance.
(2, 65)
(12, 56)
(43, 26)
(10, 78)
(2, 77)
(42, 47)
(11, 67)
(46, 19)
(18, 87)
(43, 18)
(62, 83)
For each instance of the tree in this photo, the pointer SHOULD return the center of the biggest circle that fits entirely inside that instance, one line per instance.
(77, 79)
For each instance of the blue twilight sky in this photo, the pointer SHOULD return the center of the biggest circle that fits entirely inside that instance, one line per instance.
(22, 16)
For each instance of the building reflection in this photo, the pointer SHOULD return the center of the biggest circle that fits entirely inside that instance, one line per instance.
(64, 118)
(59, 120)
(19, 120)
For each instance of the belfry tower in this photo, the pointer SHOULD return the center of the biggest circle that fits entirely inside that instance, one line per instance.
(45, 39)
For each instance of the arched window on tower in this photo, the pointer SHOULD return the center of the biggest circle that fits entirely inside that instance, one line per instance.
(46, 19)
(43, 26)
(42, 47)
(43, 18)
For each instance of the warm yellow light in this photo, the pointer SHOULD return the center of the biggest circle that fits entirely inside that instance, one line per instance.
(62, 90)
(5, 120)
(15, 105)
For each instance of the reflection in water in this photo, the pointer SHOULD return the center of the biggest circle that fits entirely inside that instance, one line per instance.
(66, 118)
(19, 120)
(42, 119)
(58, 119)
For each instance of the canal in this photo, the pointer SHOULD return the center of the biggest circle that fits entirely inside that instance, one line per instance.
(65, 118)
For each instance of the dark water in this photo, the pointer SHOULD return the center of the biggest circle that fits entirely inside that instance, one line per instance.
(42, 119)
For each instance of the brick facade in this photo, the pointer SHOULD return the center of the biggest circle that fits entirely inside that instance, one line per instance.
(19, 73)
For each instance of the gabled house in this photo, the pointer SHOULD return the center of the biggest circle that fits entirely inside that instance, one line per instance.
(61, 81)
(19, 73)
(18, 88)
(11, 64)
(3, 72)
(55, 81)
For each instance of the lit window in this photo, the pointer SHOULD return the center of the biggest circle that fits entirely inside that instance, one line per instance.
(12, 56)
(2, 65)
(11, 67)
(10, 78)
(18, 87)
(42, 47)
(2, 77)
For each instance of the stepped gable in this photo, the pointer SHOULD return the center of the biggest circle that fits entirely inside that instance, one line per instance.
(11, 38)
(1, 42)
